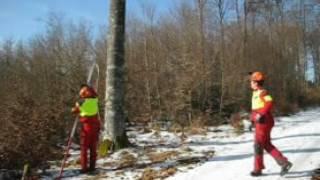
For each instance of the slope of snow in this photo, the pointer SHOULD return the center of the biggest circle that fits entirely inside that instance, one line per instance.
(298, 137)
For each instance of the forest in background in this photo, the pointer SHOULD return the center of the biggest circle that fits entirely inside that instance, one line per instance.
(187, 66)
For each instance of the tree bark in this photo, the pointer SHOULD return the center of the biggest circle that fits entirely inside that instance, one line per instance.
(115, 127)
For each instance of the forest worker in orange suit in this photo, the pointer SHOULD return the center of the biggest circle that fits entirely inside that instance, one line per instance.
(263, 121)
(87, 109)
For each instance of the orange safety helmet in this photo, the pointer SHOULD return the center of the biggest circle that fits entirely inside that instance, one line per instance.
(257, 76)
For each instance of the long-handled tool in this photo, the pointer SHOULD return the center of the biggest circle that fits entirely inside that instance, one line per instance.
(68, 147)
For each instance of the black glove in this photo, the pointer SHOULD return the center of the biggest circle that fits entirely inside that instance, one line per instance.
(250, 127)
(260, 118)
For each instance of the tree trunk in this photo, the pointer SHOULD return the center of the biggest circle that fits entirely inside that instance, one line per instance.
(222, 53)
(114, 104)
(201, 9)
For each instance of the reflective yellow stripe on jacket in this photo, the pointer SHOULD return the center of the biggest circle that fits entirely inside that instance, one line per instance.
(259, 100)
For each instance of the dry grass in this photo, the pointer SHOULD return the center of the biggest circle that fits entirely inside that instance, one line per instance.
(168, 172)
(127, 160)
(236, 121)
(162, 156)
(151, 174)
(74, 162)
(197, 130)
(316, 175)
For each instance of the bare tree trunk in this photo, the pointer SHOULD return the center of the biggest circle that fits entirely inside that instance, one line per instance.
(147, 83)
(316, 57)
(238, 13)
(114, 106)
(304, 62)
(222, 54)
(201, 6)
(148, 10)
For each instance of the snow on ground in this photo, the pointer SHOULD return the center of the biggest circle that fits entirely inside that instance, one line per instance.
(217, 154)
(298, 137)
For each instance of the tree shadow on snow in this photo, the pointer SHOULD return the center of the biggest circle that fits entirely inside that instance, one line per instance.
(249, 155)
(217, 143)
(293, 174)
(67, 173)
(158, 145)
(299, 174)
(297, 136)
(231, 157)
(310, 150)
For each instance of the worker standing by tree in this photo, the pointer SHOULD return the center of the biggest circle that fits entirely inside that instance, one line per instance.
(87, 109)
(264, 122)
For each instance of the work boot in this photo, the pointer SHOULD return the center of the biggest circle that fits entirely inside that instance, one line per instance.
(92, 166)
(83, 171)
(285, 168)
(256, 173)
(92, 170)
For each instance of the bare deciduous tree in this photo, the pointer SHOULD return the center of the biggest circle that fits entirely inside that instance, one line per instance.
(115, 126)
